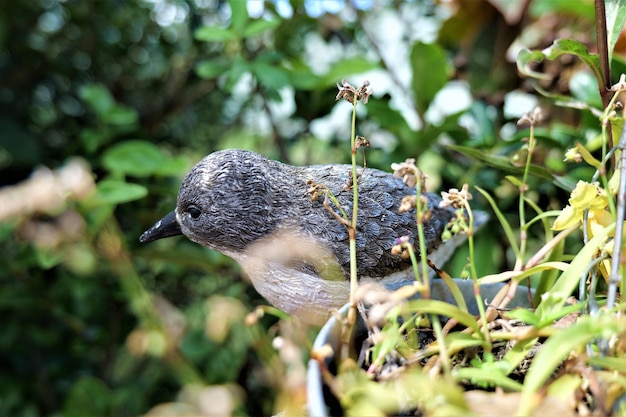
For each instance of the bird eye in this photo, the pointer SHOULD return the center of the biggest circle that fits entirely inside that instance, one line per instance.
(194, 212)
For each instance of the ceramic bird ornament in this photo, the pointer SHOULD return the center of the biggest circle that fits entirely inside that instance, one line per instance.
(261, 213)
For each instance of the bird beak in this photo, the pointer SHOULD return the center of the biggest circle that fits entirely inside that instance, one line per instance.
(166, 227)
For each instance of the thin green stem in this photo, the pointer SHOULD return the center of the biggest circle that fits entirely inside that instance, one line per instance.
(470, 241)
(474, 275)
(522, 207)
(419, 213)
(443, 349)
(355, 208)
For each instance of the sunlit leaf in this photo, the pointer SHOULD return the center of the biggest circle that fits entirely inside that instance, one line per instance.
(514, 180)
(444, 309)
(519, 275)
(615, 20)
(238, 15)
(587, 156)
(556, 349)
(134, 157)
(214, 34)
(617, 364)
(259, 26)
(116, 192)
(210, 69)
(570, 278)
(487, 376)
(560, 47)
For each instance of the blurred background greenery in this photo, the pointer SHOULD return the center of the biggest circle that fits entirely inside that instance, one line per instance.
(96, 324)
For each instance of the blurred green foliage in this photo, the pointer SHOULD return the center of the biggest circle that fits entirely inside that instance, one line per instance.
(94, 323)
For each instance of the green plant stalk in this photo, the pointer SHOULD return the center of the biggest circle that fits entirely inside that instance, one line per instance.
(474, 275)
(424, 288)
(419, 213)
(443, 350)
(434, 319)
(333, 198)
(522, 212)
(355, 208)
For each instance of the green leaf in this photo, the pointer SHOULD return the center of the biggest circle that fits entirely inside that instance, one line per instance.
(519, 275)
(134, 157)
(48, 257)
(557, 348)
(97, 97)
(238, 15)
(587, 157)
(237, 69)
(581, 9)
(210, 69)
(617, 364)
(270, 76)
(558, 48)
(121, 115)
(350, 66)
(215, 34)
(174, 166)
(444, 309)
(92, 139)
(615, 21)
(489, 376)
(542, 321)
(430, 73)
(514, 180)
(570, 278)
(508, 231)
(111, 192)
(89, 396)
(518, 353)
(502, 163)
(259, 26)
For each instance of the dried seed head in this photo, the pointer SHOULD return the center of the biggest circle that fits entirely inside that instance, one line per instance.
(409, 202)
(455, 198)
(350, 93)
(532, 119)
(408, 171)
(315, 190)
(361, 142)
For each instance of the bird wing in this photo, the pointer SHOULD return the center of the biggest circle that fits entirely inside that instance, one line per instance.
(379, 222)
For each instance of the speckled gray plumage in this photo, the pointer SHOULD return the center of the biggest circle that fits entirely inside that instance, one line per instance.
(243, 197)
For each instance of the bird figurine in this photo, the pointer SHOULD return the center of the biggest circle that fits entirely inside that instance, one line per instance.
(262, 213)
